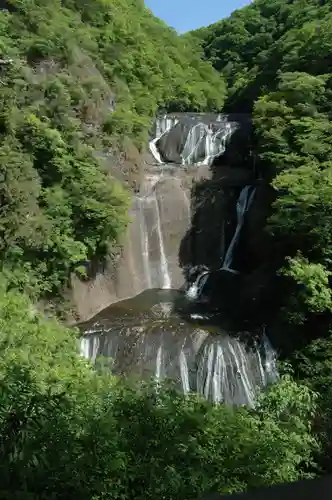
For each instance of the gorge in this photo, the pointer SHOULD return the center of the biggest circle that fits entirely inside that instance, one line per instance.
(157, 326)
(165, 213)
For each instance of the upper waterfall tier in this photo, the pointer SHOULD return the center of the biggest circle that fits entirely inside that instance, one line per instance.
(194, 138)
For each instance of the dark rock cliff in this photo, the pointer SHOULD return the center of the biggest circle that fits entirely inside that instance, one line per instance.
(183, 217)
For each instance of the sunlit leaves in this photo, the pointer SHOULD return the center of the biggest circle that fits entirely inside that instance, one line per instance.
(72, 61)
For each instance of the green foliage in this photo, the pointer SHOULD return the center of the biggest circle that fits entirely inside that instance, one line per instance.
(292, 122)
(302, 210)
(198, 447)
(71, 63)
(67, 430)
(313, 365)
(313, 294)
(275, 56)
(295, 145)
(128, 52)
(251, 46)
(51, 406)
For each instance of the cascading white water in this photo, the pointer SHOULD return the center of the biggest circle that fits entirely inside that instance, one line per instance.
(184, 372)
(232, 374)
(214, 143)
(243, 204)
(162, 125)
(145, 243)
(166, 280)
(203, 142)
(196, 135)
(159, 363)
(148, 205)
(219, 367)
(89, 346)
(197, 286)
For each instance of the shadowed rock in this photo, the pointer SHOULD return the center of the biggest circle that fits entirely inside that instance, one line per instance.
(146, 337)
(195, 138)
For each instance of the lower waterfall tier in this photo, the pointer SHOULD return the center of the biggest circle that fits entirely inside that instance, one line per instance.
(145, 337)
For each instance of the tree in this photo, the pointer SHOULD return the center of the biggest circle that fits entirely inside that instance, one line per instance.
(68, 430)
(71, 62)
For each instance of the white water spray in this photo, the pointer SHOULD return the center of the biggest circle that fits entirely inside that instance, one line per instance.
(219, 367)
(243, 204)
(163, 125)
(203, 143)
(148, 203)
(196, 288)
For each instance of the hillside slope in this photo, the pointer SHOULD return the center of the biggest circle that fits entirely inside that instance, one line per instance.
(276, 58)
(80, 83)
(257, 42)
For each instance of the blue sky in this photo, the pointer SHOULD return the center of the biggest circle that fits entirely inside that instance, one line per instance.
(184, 15)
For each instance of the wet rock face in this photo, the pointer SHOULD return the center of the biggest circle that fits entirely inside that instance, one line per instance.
(149, 256)
(145, 337)
(255, 237)
(172, 143)
(183, 217)
(213, 217)
(187, 139)
(212, 222)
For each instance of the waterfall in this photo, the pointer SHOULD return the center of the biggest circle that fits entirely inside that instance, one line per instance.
(166, 280)
(200, 140)
(243, 204)
(90, 346)
(196, 135)
(162, 125)
(144, 243)
(230, 373)
(218, 367)
(215, 143)
(196, 288)
(184, 372)
(151, 233)
(159, 363)
(270, 358)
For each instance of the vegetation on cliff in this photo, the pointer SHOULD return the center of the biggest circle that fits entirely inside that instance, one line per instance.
(70, 432)
(276, 58)
(79, 81)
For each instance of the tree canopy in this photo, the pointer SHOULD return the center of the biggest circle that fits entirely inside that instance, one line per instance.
(70, 431)
(276, 58)
(79, 81)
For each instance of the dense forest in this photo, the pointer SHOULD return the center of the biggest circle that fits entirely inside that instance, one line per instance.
(276, 59)
(275, 56)
(80, 82)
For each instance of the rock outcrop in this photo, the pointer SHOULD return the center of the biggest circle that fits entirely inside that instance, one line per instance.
(149, 255)
(182, 218)
(145, 337)
(194, 138)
